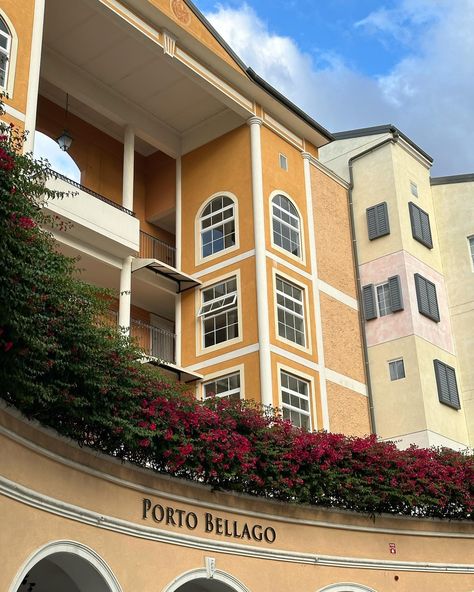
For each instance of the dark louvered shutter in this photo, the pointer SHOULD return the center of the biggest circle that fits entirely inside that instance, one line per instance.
(447, 385)
(420, 225)
(377, 221)
(432, 300)
(368, 296)
(422, 294)
(426, 229)
(396, 299)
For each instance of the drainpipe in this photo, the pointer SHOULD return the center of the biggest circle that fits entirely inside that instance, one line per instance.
(392, 140)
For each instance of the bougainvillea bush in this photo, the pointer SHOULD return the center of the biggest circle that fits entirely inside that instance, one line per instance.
(60, 367)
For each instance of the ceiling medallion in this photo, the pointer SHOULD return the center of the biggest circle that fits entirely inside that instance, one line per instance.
(181, 11)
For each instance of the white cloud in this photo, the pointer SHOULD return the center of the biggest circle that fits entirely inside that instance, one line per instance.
(429, 94)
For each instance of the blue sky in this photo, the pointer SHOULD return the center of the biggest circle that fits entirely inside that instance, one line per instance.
(357, 63)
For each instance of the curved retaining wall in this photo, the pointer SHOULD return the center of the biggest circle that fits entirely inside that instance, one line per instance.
(153, 533)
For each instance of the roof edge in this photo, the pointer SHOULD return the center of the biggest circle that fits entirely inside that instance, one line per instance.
(449, 179)
(380, 129)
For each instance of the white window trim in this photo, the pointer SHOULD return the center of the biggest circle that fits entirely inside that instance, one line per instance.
(200, 349)
(404, 369)
(10, 82)
(377, 299)
(471, 256)
(310, 379)
(198, 258)
(415, 185)
(240, 368)
(283, 159)
(302, 259)
(307, 321)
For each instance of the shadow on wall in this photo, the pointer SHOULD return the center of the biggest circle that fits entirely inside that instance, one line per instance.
(59, 161)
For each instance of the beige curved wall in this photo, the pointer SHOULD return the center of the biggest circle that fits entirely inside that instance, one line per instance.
(52, 490)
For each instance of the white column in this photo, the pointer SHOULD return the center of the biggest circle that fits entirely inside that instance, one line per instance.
(125, 295)
(316, 298)
(128, 167)
(260, 263)
(177, 306)
(34, 75)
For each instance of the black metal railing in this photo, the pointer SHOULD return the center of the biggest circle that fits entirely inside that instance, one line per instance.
(106, 200)
(154, 341)
(154, 248)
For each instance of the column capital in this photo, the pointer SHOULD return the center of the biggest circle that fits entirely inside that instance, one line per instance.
(254, 121)
(306, 155)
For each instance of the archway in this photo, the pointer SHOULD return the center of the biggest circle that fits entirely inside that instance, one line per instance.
(346, 587)
(206, 580)
(65, 565)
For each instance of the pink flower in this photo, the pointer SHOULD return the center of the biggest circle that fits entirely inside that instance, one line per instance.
(8, 345)
(144, 442)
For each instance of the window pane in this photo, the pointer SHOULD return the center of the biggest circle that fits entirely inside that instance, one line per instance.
(217, 226)
(383, 299)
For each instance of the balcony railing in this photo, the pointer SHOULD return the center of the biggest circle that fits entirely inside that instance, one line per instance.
(154, 341)
(154, 248)
(106, 200)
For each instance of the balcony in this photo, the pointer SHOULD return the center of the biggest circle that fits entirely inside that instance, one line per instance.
(159, 258)
(158, 345)
(95, 220)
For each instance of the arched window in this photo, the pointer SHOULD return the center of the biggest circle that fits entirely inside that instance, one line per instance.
(5, 48)
(286, 225)
(217, 226)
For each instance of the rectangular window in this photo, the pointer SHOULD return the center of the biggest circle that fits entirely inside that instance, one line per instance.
(414, 188)
(377, 221)
(397, 369)
(225, 386)
(426, 296)
(295, 400)
(420, 225)
(283, 161)
(219, 312)
(290, 311)
(447, 385)
(383, 299)
(471, 249)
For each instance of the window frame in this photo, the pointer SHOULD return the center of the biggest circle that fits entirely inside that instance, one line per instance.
(414, 189)
(198, 230)
(309, 380)
(201, 349)
(470, 246)
(395, 361)
(283, 161)
(386, 286)
(453, 399)
(8, 87)
(227, 373)
(299, 258)
(277, 273)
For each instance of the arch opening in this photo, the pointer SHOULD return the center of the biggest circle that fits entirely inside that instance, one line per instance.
(59, 161)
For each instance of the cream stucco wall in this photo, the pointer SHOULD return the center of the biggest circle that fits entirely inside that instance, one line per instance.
(454, 208)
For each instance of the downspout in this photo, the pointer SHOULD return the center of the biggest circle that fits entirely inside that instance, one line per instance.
(392, 140)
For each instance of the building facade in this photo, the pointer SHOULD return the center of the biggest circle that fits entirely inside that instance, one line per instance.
(203, 202)
(413, 235)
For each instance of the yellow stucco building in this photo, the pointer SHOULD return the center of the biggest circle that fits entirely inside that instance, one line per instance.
(204, 202)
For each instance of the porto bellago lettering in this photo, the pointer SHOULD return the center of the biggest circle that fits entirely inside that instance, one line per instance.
(209, 523)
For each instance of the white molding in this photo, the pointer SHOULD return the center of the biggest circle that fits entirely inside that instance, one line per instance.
(316, 296)
(169, 43)
(329, 172)
(346, 587)
(282, 131)
(345, 381)
(69, 511)
(34, 75)
(236, 353)
(294, 357)
(277, 517)
(71, 548)
(200, 574)
(132, 19)
(225, 263)
(338, 295)
(14, 112)
(66, 239)
(217, 82)
(288, 264)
